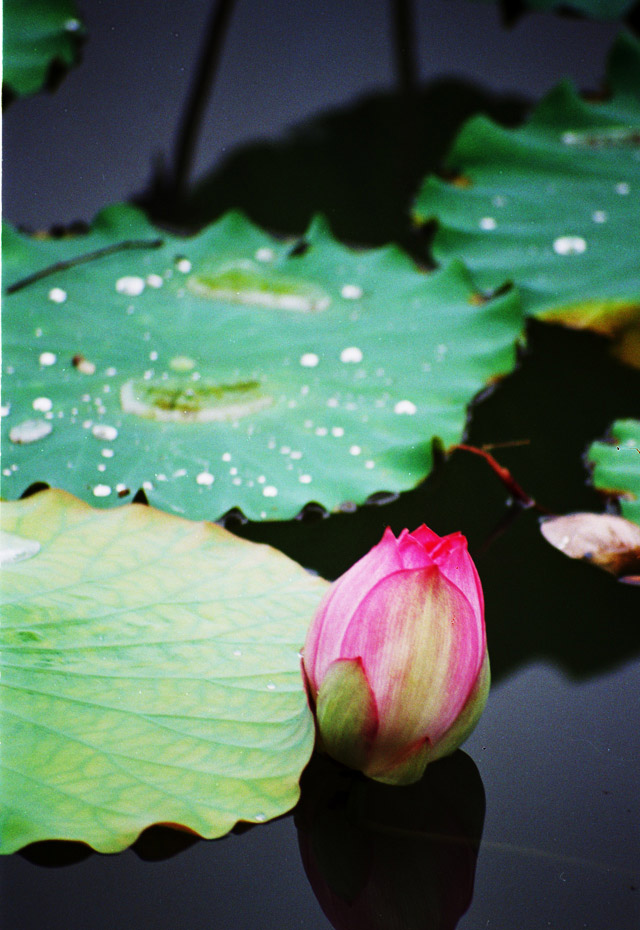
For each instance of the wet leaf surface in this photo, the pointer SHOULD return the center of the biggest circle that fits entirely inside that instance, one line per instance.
(553, 206)
(234, 370)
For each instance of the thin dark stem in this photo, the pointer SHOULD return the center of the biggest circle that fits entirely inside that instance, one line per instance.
(82, 259)
(199, 95)
(404, 30)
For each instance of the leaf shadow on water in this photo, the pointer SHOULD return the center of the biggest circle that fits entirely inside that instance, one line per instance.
(360, 166)
(539, 604)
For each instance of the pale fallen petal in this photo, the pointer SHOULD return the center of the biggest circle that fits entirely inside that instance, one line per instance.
(609, 541)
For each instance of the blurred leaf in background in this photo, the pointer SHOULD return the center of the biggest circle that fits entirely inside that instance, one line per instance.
(41, 40)
(616, 466)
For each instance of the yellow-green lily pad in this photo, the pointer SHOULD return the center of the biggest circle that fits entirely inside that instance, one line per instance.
(150, 673)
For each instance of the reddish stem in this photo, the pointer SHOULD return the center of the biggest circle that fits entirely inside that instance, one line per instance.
(503, 474)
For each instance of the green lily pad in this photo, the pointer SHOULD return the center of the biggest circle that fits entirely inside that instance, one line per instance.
(232, 369)
(38, 35)
(616, 467)
(553, 206)
(150, 674)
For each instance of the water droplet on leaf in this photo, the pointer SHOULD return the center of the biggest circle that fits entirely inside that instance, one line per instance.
(29, 431)
(14, 548)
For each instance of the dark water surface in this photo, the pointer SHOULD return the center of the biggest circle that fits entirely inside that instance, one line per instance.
(560, 845)
(537, 824)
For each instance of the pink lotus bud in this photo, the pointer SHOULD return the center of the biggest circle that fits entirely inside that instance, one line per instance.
(396, 657)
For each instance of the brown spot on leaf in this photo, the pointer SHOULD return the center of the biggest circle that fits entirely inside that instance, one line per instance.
(83, 365)
(462, 181)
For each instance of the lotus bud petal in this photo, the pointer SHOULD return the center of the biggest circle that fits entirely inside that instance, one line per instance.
(396, 660)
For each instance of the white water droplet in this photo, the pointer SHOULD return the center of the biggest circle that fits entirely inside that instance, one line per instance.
(102, 490)
(369, 463)
(122, 490)
(183, 265)
(147, 485)
(29, 431)
(351, 291)
(296, 454)
(130, 285)
(180, 473)
(4, 410)
(305, 479)
(84, 366)
(43, 404)
(498, 201)
(309, 360)
(265, 255)
(405, 406)
(487, 222)
(337, 431)
(153, 356)
(269, 490)
(237, 652)
(205, 478)
(271, 686)
(355, 450)
(351, 354)
(155, 280)
(101, 466)
(599, 216)
(15, 548)
(107, 453)
(57, 295)
(623, 188)
(48, 358)
(260, 818)
(105, 432)
(321, 430)
(226, 456)
(569, 245)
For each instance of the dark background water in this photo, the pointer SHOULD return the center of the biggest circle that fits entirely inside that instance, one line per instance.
(558, 748)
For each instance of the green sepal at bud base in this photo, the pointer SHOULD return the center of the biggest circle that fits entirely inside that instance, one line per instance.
(346, 713)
